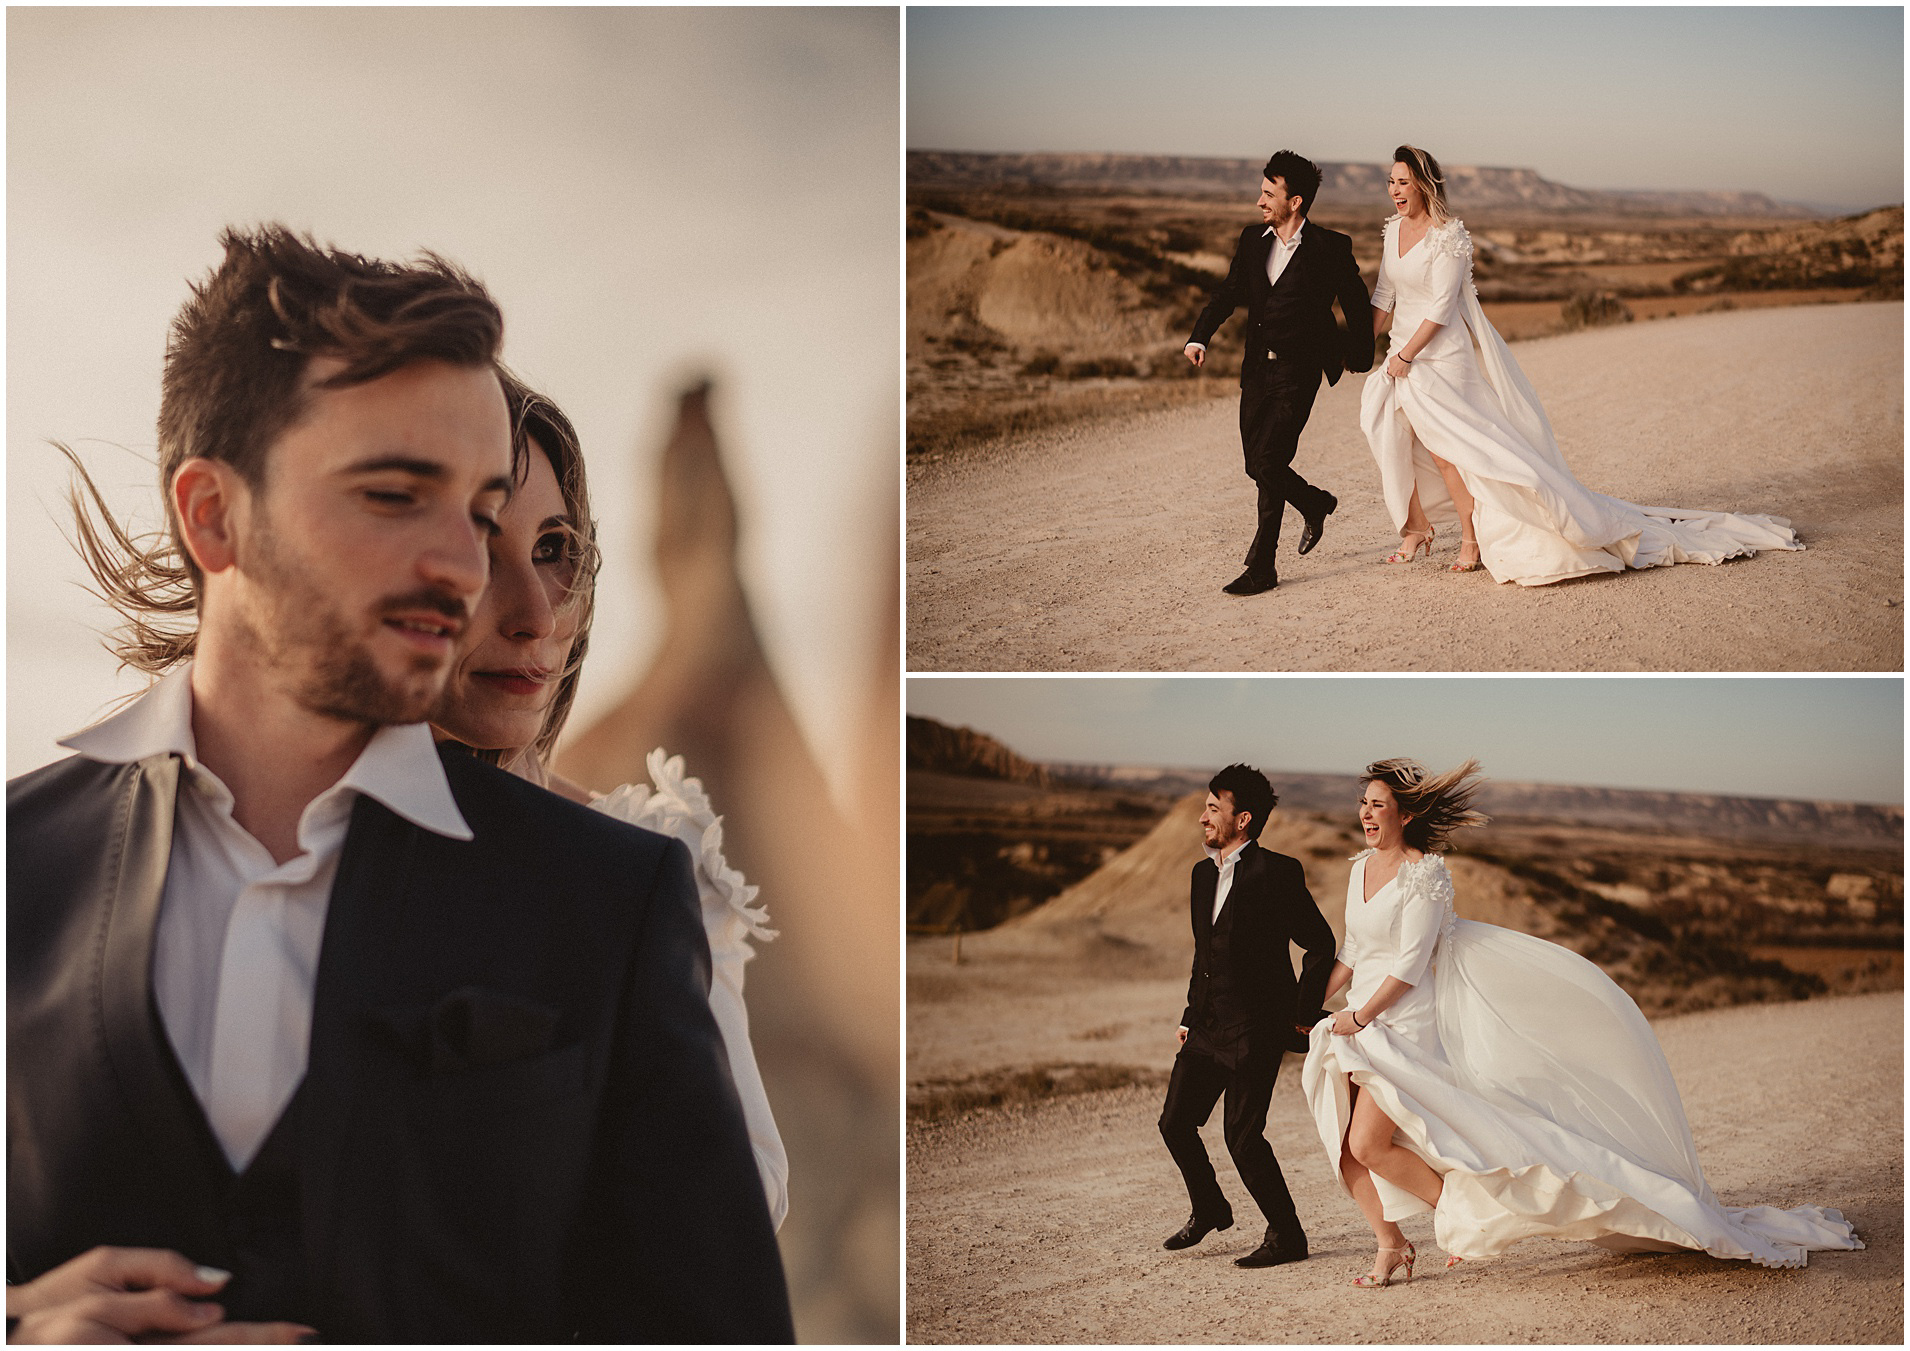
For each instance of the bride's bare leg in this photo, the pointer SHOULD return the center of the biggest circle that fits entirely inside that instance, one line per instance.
(1370, 1140)
(1416, 520)
(1462, 501)
(1360, 1182)
(1417, 535)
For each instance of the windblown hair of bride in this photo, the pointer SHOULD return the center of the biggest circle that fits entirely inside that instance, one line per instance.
(232, 383)
(1428, 177)
(1438, 803)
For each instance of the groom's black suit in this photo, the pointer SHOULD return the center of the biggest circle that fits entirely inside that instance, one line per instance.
(1291, 340)
(1243, 1005)
(516, 1122)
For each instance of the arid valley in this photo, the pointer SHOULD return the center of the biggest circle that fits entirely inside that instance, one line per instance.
(1075, 494)
(1763, 938)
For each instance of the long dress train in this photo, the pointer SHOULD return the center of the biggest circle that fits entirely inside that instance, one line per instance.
(1525, 1077)
(1466, 400)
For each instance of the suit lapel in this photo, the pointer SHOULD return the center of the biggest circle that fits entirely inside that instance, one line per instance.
(153, 1085)
(1206, 882)
(357, 958)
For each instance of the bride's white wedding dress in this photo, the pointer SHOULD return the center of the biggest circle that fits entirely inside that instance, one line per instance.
(678, 806)
(1525, 1077)
(1466, 399)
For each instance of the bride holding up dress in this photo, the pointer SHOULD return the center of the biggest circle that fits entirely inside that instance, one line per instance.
(1460, 435)
(1500, 1081)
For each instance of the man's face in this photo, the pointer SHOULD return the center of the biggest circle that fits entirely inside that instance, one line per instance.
(360, 558)
(1221, 827)
(1276, 208)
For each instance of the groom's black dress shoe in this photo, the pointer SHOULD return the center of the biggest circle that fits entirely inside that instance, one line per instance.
(1274, 1252)
(1316, 525)
(1194, 1231)
(1246, 584)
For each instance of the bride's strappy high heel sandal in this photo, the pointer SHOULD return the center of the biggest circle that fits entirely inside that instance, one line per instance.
(1372, 1282)
(1422, 540)
(1473, 566)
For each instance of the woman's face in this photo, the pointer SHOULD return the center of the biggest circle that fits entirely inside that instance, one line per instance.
(1408, 200)
(519, 639)
(1380, 818)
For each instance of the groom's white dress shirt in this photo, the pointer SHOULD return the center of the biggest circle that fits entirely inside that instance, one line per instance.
(235, 956)
(1226, 864)
(1226, 883)
(1277, 259)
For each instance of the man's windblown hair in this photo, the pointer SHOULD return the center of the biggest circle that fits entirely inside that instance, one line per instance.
(233, 383)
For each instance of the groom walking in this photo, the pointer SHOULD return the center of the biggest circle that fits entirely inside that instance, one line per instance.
(1243, 1012)
(1288, 273)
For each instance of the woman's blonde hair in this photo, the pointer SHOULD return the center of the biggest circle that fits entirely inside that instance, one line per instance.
(1428, 178)
(1437, 803)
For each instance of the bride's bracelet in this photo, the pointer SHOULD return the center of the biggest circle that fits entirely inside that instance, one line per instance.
(1356, 1020)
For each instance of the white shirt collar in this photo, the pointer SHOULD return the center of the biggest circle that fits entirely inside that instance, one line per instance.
(399, 765)
(1293, 243)
(1227, 860)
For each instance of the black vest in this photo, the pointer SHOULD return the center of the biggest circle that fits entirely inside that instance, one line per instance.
(262, 1215)
(1221, 1020)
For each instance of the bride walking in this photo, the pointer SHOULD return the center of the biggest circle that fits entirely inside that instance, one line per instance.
(1460, 435)
(1500, 1081)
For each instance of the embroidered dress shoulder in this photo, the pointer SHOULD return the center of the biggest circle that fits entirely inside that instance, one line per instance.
(1451, 240)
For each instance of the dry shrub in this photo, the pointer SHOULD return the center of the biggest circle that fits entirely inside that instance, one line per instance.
(1594, 309)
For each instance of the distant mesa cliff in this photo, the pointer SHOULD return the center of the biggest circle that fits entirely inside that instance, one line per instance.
(960, 750)
(1468, 187)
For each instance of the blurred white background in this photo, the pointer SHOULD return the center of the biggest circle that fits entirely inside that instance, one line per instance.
(650, 194)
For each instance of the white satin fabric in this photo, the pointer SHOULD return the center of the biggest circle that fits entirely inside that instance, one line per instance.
(1466, 400)
(1531, 1082)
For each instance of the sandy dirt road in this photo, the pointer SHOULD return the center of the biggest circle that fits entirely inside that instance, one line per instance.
(1043, 1224)
(1103, 546)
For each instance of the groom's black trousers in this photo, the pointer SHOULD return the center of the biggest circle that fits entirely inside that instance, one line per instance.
(1198, 1082)
(1276, 398)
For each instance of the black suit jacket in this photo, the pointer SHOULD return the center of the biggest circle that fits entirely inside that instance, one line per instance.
(1242, 999)
(516, 1123)
(1294, 319)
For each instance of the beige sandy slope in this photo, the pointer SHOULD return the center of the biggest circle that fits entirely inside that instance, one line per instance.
(1044, 1224)
(1103, 546)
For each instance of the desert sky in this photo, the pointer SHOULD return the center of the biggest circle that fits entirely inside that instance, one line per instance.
(651, 194)
(1837, 740)
(1804, 104)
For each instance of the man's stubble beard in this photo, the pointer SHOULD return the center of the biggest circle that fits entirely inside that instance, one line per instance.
(302, 634)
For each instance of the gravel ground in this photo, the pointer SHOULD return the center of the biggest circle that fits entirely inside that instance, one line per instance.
(1103, 546)
(1043, 1224)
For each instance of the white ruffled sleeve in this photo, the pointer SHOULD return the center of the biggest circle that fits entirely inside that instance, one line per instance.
(1448, 270)
(1383, 283)
(1425, 895)
(679, 807)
